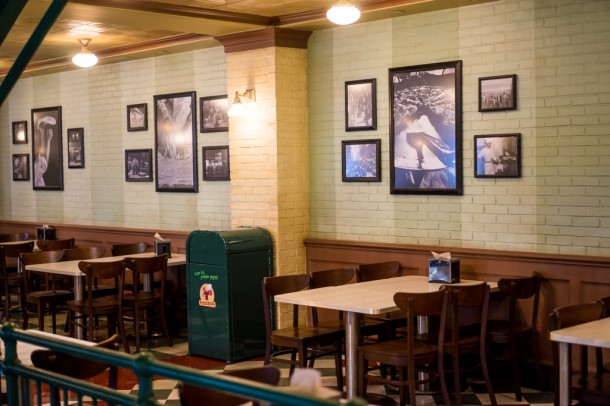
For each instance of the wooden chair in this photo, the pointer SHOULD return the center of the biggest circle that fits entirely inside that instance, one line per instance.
(589, 389)
(52, 245)
(601, 367)
(466, 339)
(11, 237)
(12, 280)
(337, 277)
(128, 249)
(91, 308)
(192, 395)
(75, 367)
(306, 342)
(91, 252)
(511, 339)
(383, 270)
(48, 296)
(407, 354)
(144, 305)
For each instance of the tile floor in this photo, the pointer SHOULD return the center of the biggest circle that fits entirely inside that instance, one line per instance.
(166, 390)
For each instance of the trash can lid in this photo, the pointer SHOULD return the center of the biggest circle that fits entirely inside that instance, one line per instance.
(212, 247)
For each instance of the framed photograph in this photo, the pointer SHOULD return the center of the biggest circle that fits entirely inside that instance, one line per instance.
(137, 117)
(47, 149)
(426, 129)
(20, 132)
(361, 161)
(76, 148)
(497, 93)
(138, 165)
(497, 156)
(361, 105)
(21, 167)
(216, 162)
(176, 143)
(214, 114)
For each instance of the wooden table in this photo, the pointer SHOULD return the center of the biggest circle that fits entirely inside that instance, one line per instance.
(595, 333)
(356, 299)
(70, 268)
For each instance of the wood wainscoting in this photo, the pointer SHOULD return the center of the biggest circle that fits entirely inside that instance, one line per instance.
(567, 279)
(96, 235)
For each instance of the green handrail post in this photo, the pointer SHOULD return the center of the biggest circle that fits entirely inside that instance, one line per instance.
(141, 367)
(10, 359)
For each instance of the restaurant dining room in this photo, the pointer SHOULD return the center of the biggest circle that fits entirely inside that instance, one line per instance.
(305, 203)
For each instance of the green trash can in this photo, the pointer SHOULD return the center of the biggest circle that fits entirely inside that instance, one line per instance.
(225, 310)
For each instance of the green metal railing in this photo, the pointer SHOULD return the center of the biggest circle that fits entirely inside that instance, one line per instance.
(144, 365)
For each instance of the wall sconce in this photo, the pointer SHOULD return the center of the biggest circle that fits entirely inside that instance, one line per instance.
(85, 58)
(343, 13)
(243, 103)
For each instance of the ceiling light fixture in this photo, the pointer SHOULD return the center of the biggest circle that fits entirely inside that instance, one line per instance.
(343, 13)
(85, 58)
(242, 103)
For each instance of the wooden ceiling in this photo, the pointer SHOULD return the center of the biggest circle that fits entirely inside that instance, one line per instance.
(121, 30)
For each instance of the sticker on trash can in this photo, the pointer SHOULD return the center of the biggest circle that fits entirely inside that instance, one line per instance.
(206, 295)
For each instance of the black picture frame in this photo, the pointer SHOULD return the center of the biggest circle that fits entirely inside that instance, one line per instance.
(361, 160)
(47, 157)
(498, 93)
(76, 147)
(216, 163)
(176, 142)
(426, 129)
(21, 167)
(137, 117)
(497, 156)
(213, 114)
(361, 105)
(138, 165)
(20, 132)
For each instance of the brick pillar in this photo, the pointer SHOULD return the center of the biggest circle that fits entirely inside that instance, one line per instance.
(269, 149)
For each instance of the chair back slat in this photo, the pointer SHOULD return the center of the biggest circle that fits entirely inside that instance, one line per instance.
(52, 245)
(83, 253)
(128, 249)
(378, 270)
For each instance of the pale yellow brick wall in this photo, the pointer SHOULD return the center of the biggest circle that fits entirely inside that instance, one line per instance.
(561, 54)
(96, 100)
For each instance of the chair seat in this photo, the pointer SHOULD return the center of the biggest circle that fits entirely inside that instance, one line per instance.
(303, 333)
(498, 331)
(100, 305)
(58, 296)
(396, 352)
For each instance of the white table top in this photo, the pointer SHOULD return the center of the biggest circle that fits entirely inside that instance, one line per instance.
(595, 333)
(374, 297)
(71, 267)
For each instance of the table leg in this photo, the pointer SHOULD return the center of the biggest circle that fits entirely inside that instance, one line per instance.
(564, 374)
(78, 295)
(352, 340)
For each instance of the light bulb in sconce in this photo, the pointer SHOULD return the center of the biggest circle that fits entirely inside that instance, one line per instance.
(243, 103)
(343, 13)
(84, 58)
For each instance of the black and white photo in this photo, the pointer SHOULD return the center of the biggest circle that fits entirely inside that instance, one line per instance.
(214, 115)
(21, 167)
(76, 148)
(497, 93)
(361, 160)
(137, 117)
(216, 163)
(426, 129)
(138, 165)
(20, 132)
(47, 149)
(176, 142)
(497, 156)
(361, 105)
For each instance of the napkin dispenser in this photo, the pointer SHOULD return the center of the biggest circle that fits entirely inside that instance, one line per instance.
(442, 270)
(46, 233)
(163, 247)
